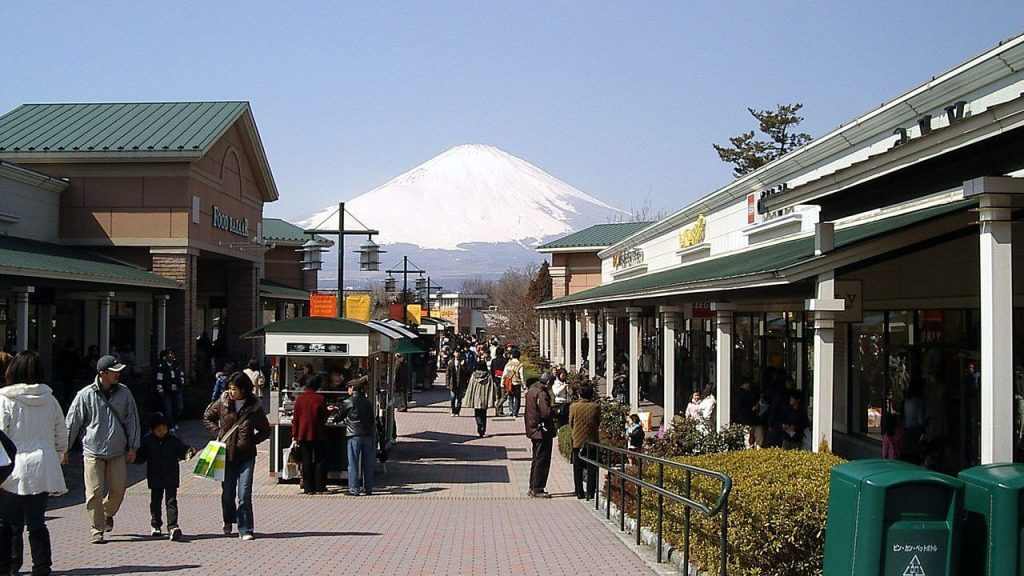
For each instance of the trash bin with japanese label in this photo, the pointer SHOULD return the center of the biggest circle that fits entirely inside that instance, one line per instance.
(892, 518)
(993, 543)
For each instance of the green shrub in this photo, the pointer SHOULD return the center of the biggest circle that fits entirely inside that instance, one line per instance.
(613, 422)
(777, 511)
(690, 437)
(565, 441)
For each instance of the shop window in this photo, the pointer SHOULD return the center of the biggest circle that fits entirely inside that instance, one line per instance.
(867, 359)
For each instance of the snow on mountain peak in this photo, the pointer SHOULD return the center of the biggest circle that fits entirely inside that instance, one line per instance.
(471, 193)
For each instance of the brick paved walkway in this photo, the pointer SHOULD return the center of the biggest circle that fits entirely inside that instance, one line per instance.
(454, 504)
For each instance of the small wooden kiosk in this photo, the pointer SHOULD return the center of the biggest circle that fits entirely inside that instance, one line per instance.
(316, 345)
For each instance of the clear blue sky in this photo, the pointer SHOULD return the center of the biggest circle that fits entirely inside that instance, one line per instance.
(622, 100)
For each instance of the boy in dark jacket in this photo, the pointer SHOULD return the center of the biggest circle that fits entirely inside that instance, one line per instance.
(161, 451)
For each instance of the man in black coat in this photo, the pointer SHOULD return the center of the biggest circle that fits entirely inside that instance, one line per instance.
(540, 429)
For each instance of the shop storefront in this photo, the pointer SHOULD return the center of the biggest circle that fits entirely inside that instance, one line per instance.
(870, 271)
(153, 230)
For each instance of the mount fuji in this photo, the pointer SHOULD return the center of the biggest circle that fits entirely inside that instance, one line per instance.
(473, 210)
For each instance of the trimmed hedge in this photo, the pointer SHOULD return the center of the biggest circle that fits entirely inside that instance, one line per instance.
(777, 511)
(565, 442)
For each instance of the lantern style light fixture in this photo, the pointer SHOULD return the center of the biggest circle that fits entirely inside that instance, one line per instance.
(369, 256)
(421, 283)
(389, 284)
(312, 255)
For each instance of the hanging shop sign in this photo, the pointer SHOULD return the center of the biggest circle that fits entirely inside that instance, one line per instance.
(751, 209)
(692, 235)
(234, 225)
(702, 310)
(323, 305)
(628, 258)
(762, 207)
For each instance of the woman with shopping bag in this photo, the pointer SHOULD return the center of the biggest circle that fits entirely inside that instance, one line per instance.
(238, 420)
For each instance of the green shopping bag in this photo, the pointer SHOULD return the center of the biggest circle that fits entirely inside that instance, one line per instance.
(210, 464)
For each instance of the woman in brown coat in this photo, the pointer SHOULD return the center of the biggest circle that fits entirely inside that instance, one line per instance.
(238, 420)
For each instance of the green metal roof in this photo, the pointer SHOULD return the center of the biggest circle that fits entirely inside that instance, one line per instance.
(120, 127)
(281, 231)
(310, 325)
(277, 291)
(33, 259)
(773, 258)
(599, 235)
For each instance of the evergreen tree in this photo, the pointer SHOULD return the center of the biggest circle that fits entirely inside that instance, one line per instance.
(540, 285)
(748, 154)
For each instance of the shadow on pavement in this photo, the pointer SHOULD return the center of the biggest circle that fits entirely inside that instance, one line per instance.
(125, 570)
(444, 473)
(277, 535)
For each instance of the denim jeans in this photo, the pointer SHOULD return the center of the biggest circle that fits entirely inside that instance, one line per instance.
(360, 451)
(514, 399)
(238, 482)
(174, 405)
(16, 510)
(456, 395)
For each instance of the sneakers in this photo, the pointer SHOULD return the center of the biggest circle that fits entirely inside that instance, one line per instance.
(248, 536)
(97, 539)
(541, 494)
(109, 524)
(227, 528)
(175, 534)
(155, 532)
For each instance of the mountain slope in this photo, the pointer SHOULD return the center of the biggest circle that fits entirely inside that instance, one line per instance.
(471, 193)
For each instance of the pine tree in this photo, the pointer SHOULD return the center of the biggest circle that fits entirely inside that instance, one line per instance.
(540, 285)
(748, 154)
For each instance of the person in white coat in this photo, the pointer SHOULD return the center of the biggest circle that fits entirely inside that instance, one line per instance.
(32, 418)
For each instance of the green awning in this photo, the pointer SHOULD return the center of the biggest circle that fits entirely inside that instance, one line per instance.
(276, 291)
(406, 346)
(33, 259)
(310, 325)
(725, 271)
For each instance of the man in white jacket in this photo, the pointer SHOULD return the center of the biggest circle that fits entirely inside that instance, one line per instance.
(106, 416)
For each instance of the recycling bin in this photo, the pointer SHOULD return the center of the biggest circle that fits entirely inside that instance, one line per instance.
(892, 518)
(993, 543)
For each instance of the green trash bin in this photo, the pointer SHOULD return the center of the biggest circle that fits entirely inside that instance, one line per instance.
(993, 542)
(892, 518)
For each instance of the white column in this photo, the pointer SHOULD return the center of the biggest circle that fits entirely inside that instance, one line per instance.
(21, 295)
(723, 363)
(592, 338)
(670, 315)
(634, 357)
(105, 299)
(578, 338)
(609, 349)
(566, 338)
(996, 331)
(824, 307)
(542, 334)
(556, 352)
(161, 321)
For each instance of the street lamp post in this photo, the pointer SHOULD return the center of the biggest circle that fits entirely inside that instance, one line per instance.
(389, 284)
(369, 252)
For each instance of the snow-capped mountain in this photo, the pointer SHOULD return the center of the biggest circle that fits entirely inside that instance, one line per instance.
(473, 210)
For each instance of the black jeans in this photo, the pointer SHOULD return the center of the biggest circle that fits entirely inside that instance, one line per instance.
(540, 465)
(578, 466)
(314, 468)
(481, 420)
(158, 496)
(30, 510)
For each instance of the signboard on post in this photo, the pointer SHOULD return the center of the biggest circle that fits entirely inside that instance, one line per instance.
(357, 306)
(413, 313)
(323, 305)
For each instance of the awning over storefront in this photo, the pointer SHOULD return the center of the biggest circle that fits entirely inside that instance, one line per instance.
(781, 263)
(310, 325)
(33, 260)
(271, 290)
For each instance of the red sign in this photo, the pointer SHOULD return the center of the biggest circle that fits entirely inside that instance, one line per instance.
(751, 209)
(323, 305)
(395, 312)
(703, 310)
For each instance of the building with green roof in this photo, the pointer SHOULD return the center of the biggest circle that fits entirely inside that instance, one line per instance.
(147, 216)
(574, 263)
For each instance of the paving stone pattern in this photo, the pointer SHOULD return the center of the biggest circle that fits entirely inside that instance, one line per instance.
(453, 504)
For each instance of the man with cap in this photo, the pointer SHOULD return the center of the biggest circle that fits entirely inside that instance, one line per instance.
(106, 416)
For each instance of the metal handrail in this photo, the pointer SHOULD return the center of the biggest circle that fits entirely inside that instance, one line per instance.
(721, 505)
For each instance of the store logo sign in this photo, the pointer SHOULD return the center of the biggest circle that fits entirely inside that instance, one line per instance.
(627, 258)
(693, 235)
(238, 226)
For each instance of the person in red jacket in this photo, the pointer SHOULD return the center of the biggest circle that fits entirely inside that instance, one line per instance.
(309, 430)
